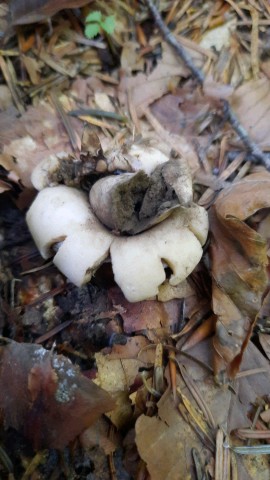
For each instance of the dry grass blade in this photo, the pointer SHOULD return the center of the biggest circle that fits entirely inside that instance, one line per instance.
(6, 68)
(74, 140)
(195, 416)
(39, 459)
(53, 331)
(255, 42)
(97, 122)
(203, 331)
(172, 366)
(5, 460)
(258, 434)
(209, 194)
(195, 392)
(252, 450)
(219, 459)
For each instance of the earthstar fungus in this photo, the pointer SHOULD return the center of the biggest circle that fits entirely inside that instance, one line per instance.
(146, 222)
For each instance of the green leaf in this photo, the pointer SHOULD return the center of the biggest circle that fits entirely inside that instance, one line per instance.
(91, 30)
(108, 24)
(93, 17)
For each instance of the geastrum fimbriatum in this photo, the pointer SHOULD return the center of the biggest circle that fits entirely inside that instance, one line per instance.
(144, 221)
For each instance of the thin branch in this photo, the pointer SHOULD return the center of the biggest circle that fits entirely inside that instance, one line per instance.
(251, 146)
(255, 151)
(168, 36)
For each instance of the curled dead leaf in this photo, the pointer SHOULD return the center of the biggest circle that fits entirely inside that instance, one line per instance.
(239, 261)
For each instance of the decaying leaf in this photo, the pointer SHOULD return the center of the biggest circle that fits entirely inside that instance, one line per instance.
(168, 435)
(220, 36)
(116, 376)
(220, 401)
(36, 135)
(143, 90)
(251, 103)
(239, 260)
(47, 398)
(98, 434)
(149, 314)
(30, 11)
(265, 343)
(230, 408)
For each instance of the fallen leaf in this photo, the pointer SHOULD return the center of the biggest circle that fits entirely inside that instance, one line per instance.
(38, 134)
(251, 104)
(134, 348)
(149, 314)
(219, 37)
(252, 467)
(30, 11)
(98, 435)
(46, 397)
(181, 112)
(239, 261)
(143, 89)
(246, 389)
(265, 343)
(131, 60)
(5, 97)
(171, 437)
(114, 374)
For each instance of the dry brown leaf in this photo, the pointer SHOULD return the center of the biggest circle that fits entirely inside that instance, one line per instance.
(114, 374)
(182, 111)
(131, 59)
(149, 314)
(30, 11)
(32, 67)
(45, 396)
(143, 89)
(134, 348)
(251, 103)
(229, 408)
(98, 435)
(5, 97)
(165, 442)
(36, 135)
(265, 343)
(252, 467)
(239, 260)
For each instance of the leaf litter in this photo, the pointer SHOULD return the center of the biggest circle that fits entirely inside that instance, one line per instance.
(151, 358)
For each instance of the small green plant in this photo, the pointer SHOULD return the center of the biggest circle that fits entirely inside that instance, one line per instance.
(96, 23)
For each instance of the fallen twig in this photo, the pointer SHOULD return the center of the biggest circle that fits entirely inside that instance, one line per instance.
(257, 155)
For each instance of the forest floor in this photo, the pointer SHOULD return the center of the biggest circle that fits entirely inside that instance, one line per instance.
(176, 386)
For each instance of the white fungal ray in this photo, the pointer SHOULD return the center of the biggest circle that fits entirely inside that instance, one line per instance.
(62, 215)
(138, 262)
(82, 252)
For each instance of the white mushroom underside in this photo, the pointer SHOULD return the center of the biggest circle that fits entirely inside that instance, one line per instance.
(137, 262)
(81, 253)
(62, 214)
(56, 213)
